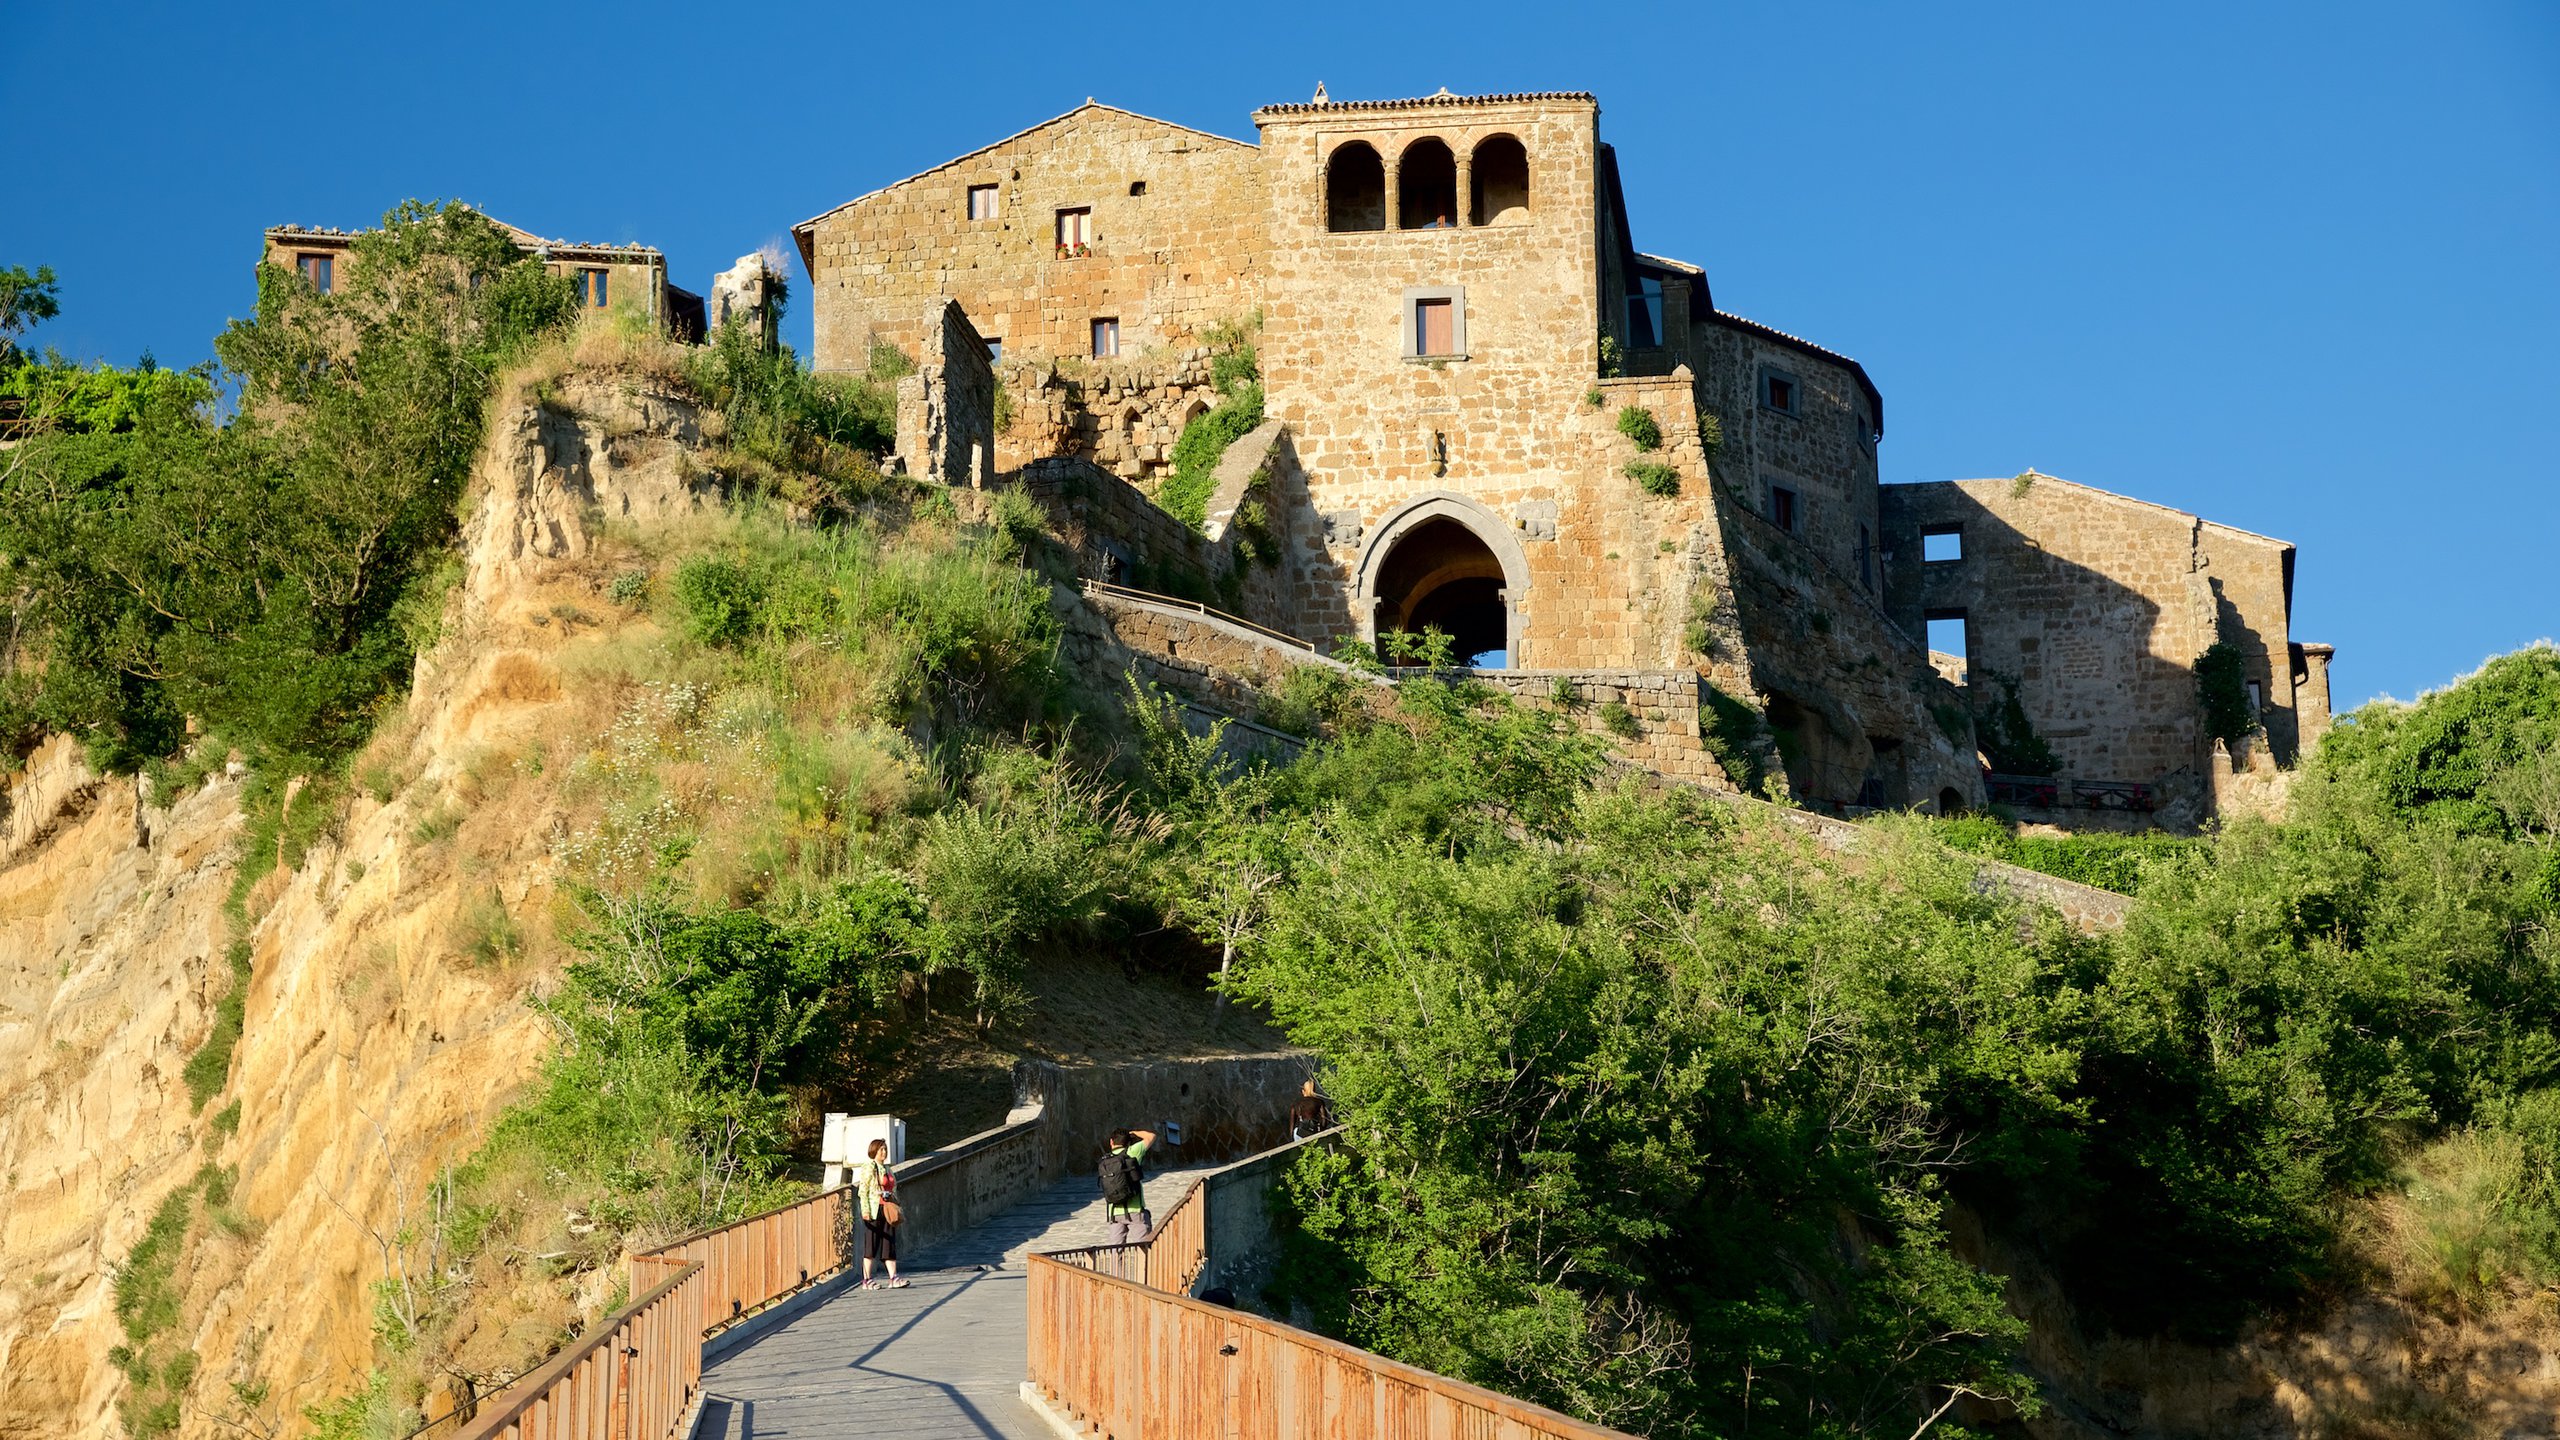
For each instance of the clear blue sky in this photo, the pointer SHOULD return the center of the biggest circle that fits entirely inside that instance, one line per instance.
(2290, 267)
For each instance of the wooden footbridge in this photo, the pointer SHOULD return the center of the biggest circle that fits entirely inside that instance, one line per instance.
(1015, 1326)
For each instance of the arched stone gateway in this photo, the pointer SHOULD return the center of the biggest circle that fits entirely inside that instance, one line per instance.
(1443, 560)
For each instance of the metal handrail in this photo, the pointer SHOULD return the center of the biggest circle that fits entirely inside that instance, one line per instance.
(1176, 602)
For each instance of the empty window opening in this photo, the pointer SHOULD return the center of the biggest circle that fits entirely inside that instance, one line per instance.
(995, 349)
(982, 202)
(1644, 313)
(1947, 642)
(1106, 336)
(1435, 329)
(1137, 188)
(1866, 556)
(1783, 510)
(1778, 391)
(2257, 700)
(1499, 179)
(1355, 189)
(1440, 575)
(1941, 545)
(320, 270)
(1426, 186)
(592, 287)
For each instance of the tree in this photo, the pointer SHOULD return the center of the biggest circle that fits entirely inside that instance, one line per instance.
(25, 301)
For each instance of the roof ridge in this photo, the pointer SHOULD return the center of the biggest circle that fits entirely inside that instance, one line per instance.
(1418, 102)
(1058, 119)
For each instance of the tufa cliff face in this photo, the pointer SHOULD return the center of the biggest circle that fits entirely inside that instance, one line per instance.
(385, 1019)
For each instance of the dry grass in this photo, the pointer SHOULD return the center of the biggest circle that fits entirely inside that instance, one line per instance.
(620, 345)
(2446, 1238)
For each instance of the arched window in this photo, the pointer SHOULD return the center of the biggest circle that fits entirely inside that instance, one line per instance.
(1426, 186)
(1355, 188)
(1501, 182)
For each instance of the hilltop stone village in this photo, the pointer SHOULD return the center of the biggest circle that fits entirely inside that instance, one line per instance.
(1487, 411)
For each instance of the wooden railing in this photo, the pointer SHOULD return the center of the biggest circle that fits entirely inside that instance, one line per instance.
(1119, 1347)
(1136, 1362)
(762, 1258)
(1168, 1259)
(636, 1375)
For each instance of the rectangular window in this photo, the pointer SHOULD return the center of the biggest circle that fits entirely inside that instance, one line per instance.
(1106, 336)
(1435, 330)
(1778, 391)
(1782, 508)
(982, 202)
(2257, 700)
(592, 286)
(1435, 322)
(320, 270)
(995, 349)
(1942, 544)
(1075, 228)
(1866, 556)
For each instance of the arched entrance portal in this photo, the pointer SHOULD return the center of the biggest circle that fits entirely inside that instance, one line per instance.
(1443, 562)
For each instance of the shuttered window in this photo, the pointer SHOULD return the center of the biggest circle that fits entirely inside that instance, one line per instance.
(1435, 327)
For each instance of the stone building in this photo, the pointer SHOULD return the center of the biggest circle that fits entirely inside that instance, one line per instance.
(607, 276)
(2092, 609)
(1487, 411)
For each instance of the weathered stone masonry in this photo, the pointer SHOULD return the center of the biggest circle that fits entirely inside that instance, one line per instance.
(1447, 290)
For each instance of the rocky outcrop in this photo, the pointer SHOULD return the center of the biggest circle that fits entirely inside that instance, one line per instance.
(384, 1026)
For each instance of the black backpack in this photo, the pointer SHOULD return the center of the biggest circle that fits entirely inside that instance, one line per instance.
(1122, 1180)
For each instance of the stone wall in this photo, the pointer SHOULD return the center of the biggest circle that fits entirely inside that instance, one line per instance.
(1122, 415)
(1859, 717)
(947, 407)
(1821, 453)
(1118, 534)
(1663, 705)
(1176, 233)
(1227, 665)
(2096, 607)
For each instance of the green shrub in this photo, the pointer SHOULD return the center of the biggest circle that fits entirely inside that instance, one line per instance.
(1637, 424)
(1620, 721)
(273, 576)
(719, 600)
(1202, 444)
(2007, 737)
(629, 588)
(1654, 478)
(2222, 690)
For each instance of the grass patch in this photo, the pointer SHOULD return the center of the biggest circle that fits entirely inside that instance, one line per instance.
(210, 1066)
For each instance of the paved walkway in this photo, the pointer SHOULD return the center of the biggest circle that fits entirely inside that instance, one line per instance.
(942, 1358)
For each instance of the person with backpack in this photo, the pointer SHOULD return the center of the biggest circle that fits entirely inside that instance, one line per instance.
(880, 1217)
(1125, 1217)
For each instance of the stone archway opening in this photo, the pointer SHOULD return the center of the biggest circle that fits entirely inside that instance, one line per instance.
(1426, 185)
(1441, 574)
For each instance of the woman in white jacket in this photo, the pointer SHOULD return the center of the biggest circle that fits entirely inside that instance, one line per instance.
(878, 1190)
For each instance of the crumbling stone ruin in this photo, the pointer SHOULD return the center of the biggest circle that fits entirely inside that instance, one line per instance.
(607, 276)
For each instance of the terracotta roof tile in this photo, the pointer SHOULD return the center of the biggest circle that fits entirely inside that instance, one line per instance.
(1425, 102)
